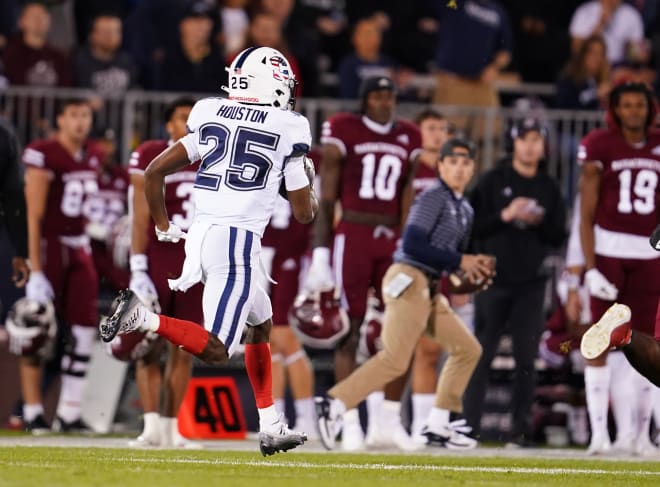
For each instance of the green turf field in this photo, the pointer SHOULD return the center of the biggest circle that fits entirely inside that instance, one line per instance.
(72, 467)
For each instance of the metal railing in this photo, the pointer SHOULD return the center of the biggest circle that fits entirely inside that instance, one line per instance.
(137, 116)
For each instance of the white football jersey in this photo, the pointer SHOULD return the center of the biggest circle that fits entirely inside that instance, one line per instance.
(245, 151)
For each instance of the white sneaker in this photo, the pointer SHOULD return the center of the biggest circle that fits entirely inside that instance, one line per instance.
(599, 446)
(352, 437)
(643, 447)
(394, 436)
(611, 330)
(309, 427)
(329, 420)
(624, 445)
(145, 441)
(452, 436)
(278, 437)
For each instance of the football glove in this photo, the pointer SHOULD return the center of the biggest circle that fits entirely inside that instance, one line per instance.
(38, 288)
(143, 287)
(319, 277)
(172, 234)
(599, 286)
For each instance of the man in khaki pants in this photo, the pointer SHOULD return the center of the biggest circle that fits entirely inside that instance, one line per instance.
(436, 232)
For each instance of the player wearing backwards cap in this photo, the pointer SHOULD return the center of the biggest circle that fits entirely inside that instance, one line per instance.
(619, 201)
(434, 238)
(368, 165)
(249, 145)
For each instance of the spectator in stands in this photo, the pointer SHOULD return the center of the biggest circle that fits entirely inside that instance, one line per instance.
(235, 22)
(102, 65)
(196, 64)
(619, 24)
(316, 34)
(585, 82)
(519, 215)
(542, 43)
(9, 9)
(365, 61)
(266, 30)
(467, 69)
(28, 59)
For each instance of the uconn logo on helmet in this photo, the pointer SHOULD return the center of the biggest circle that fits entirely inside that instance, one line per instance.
(280, 68)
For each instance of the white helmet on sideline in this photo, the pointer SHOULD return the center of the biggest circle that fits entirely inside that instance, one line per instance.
(31, 327)
(261, 76)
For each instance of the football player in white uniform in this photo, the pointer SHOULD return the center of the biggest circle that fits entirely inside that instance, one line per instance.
(250, 145)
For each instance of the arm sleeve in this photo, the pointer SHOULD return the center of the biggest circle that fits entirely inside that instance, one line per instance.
(416, 244)
(11, 192)
(294, 166)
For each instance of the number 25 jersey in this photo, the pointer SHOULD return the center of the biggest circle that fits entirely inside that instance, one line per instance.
(245, 151)
(628, 197)
(376, 161)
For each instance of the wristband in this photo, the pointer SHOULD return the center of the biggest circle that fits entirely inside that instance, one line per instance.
(138, 262)
(321, 254)
(572, 281)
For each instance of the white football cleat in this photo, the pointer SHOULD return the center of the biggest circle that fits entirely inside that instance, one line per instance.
(612, 330)
(599, 446)
(278, 437)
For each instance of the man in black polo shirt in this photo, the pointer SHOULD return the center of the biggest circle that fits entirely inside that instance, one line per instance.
(519, 216)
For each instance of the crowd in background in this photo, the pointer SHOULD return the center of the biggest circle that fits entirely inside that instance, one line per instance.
(183, 45)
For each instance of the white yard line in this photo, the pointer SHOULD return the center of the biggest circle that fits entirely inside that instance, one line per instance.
(360, 467)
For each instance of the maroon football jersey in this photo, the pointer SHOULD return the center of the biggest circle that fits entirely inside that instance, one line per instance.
(424, 178)
(72, 181)
(628, 198)
(107, 205)
(284, 233)
(178, 186)
(375, 164)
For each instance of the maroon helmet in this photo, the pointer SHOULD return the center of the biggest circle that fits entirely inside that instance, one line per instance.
(31, 327)
(132, 346)
(318, 319)
(370, 330)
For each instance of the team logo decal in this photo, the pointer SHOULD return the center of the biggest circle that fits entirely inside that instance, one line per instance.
(280, 68)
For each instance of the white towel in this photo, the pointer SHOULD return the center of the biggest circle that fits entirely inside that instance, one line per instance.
(191, 273)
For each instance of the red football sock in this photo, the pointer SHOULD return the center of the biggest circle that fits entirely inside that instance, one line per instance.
(190, 336)
(258, 366)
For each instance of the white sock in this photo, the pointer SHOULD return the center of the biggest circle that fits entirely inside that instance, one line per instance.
(374, 410)
(152, 424)
(421, 406)
(644, 395)
(390, 413)
(280, 405)
(152, 321)
(438, 418)
(621, 391)
(269, 415)
(31, 411)
(597, 385)
(74, 372)
(305, 410)
(167, 426)
(351, 416)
